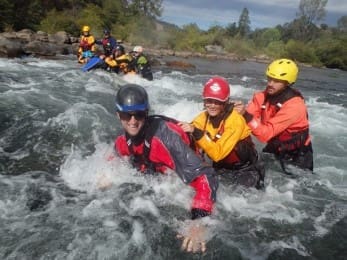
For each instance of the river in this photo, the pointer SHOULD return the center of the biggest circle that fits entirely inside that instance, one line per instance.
(57, 126)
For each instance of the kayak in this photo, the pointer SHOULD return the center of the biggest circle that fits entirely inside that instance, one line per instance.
(92, 63)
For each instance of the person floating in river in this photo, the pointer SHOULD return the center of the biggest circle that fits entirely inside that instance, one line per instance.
(154, 144)
(141, 64)
(119, 61)
(278, 116)
(224, 138)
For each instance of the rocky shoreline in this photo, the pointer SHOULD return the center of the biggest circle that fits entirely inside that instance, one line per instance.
(43, 45)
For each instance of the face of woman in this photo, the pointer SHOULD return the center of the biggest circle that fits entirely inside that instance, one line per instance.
(214, 107)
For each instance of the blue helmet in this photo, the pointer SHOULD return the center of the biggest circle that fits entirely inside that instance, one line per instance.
(131, 97)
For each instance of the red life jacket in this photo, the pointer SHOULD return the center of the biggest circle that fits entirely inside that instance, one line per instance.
(106, 44)
(141, 161)
(285, 141)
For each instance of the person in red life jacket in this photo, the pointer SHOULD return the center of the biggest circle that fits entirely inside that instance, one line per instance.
(86, 47)
(278, 116)
(155, 145)
(108, 44)
(224, 137)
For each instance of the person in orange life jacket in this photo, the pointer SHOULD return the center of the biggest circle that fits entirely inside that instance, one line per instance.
(119, 61)
(86, 47)
(278, 116)
(108, 43)
(140, 63)
(154, 145)
(223, 135)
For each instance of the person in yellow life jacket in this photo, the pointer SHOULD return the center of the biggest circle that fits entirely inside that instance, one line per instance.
(278, 116)
(119, 61)
(86, 47)
(223, 135)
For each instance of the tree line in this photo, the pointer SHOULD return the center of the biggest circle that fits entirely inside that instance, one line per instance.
(137, 21)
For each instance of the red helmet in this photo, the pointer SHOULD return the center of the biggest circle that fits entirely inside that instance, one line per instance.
(216, 88)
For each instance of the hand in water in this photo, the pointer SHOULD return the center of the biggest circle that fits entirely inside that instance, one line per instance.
(194, 237)
(239, 106)
(104, 182)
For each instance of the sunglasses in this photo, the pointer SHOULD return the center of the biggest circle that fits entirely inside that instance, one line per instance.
(139, 115)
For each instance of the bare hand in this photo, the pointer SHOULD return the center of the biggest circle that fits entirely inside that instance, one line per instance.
(239, 106)
(194, 239)
(104, 182)
(186, 127)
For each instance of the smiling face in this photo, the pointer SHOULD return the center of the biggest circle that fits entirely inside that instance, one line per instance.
(275, 86)
(214, 107)
(132, 122)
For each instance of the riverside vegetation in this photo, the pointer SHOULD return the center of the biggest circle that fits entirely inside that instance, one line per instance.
(138, 22)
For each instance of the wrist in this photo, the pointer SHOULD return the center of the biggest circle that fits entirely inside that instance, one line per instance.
(197, 133)
(248, 117)
(199, 213)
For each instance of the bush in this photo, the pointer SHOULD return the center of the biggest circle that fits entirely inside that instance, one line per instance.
(299, 51)
(275, 49)
(241, 47)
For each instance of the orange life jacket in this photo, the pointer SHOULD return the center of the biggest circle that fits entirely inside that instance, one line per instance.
(285, 141)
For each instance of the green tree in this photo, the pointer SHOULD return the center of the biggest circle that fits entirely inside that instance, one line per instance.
(216, 34)
(232, 29)
(6, 14)
(91, 15)
(113, 12)
(59, 21)
(244, 23)
(268, 36)
(310, 12)
(149, 8)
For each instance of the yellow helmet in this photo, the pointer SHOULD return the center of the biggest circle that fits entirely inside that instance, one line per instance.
(85, 28)
(283, 69)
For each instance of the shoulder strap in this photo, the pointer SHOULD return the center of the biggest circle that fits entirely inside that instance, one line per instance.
(151, 127)
(280, 99)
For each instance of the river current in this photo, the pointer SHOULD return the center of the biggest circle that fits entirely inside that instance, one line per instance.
(57, 126)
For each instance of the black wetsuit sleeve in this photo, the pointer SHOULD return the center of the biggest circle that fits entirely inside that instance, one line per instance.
(198, 133)
(248, 117)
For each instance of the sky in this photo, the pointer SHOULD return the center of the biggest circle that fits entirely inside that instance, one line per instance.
(262, 13)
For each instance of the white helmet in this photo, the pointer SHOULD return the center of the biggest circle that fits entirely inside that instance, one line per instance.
(138, 49)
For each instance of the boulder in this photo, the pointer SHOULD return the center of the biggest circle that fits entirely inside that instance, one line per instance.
(40, 48)
(60, 38)
(10, 48)
(26, 35)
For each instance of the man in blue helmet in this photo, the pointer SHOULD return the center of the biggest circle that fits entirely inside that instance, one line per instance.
(155, 144)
